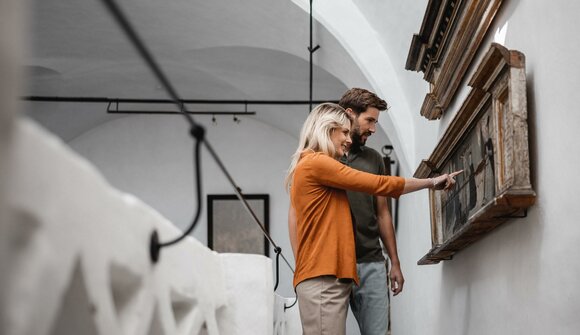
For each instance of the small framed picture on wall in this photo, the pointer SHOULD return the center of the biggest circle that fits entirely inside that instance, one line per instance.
(231, 228)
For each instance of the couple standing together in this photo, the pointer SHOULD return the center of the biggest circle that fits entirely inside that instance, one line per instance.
(337, 191)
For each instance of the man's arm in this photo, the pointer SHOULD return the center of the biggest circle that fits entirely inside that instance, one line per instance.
(292, 228)
(387, 233)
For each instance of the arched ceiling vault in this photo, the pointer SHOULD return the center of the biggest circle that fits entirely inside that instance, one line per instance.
(217, 50)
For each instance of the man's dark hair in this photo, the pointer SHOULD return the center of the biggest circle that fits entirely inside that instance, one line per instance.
(359, 99)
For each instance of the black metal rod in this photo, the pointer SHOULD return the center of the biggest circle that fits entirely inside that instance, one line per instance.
(310, 50)
(397, 172)
(174, 112)
(169, 101)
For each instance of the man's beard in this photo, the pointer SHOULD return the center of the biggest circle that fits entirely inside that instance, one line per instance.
(357, 138)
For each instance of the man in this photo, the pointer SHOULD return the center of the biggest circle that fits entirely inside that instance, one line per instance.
(371, 218)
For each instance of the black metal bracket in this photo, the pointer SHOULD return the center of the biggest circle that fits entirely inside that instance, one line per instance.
(154, 247)
(387, 150)
(313, 50)
(277, 250)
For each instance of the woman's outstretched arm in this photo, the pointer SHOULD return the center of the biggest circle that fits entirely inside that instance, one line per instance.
(442, 182)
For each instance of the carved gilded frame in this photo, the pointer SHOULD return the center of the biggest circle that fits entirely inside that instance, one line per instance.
(488, 139)
(451, 33)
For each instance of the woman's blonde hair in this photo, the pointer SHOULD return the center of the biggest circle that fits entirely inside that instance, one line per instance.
(315, 134)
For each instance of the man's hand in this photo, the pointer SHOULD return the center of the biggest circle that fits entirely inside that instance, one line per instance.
(397, 279)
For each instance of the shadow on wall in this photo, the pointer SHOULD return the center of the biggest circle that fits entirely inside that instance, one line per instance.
(491, 277)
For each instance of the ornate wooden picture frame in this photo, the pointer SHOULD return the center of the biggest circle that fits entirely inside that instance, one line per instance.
(230, 228)
(488, 139)
(450, 35)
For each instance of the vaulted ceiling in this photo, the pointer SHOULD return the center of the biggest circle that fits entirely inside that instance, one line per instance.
(221, 50)
(217, 50)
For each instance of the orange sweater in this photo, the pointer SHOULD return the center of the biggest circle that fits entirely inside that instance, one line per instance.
(325, 238)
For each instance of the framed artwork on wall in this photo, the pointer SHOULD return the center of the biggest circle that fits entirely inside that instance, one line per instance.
(231, 228)
(450, 35)
(488, 140)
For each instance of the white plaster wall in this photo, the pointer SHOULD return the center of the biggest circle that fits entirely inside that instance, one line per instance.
(521, 278)
(151, 157)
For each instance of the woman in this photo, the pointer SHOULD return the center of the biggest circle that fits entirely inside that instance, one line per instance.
(322, 238)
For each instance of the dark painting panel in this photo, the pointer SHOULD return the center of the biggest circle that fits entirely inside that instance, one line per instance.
(232, 229)
(476, 185)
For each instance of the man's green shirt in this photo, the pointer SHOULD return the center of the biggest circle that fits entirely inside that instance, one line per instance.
(363, 206)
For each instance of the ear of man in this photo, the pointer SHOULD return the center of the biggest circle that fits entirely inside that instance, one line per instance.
(350, 112)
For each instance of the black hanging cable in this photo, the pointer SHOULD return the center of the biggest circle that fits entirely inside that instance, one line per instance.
(311, 50)
(155, 245)
(278, 252)
(197, 131)
(288, 307)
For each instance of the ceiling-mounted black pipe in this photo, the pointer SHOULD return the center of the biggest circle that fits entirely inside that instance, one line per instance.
(169, 101)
